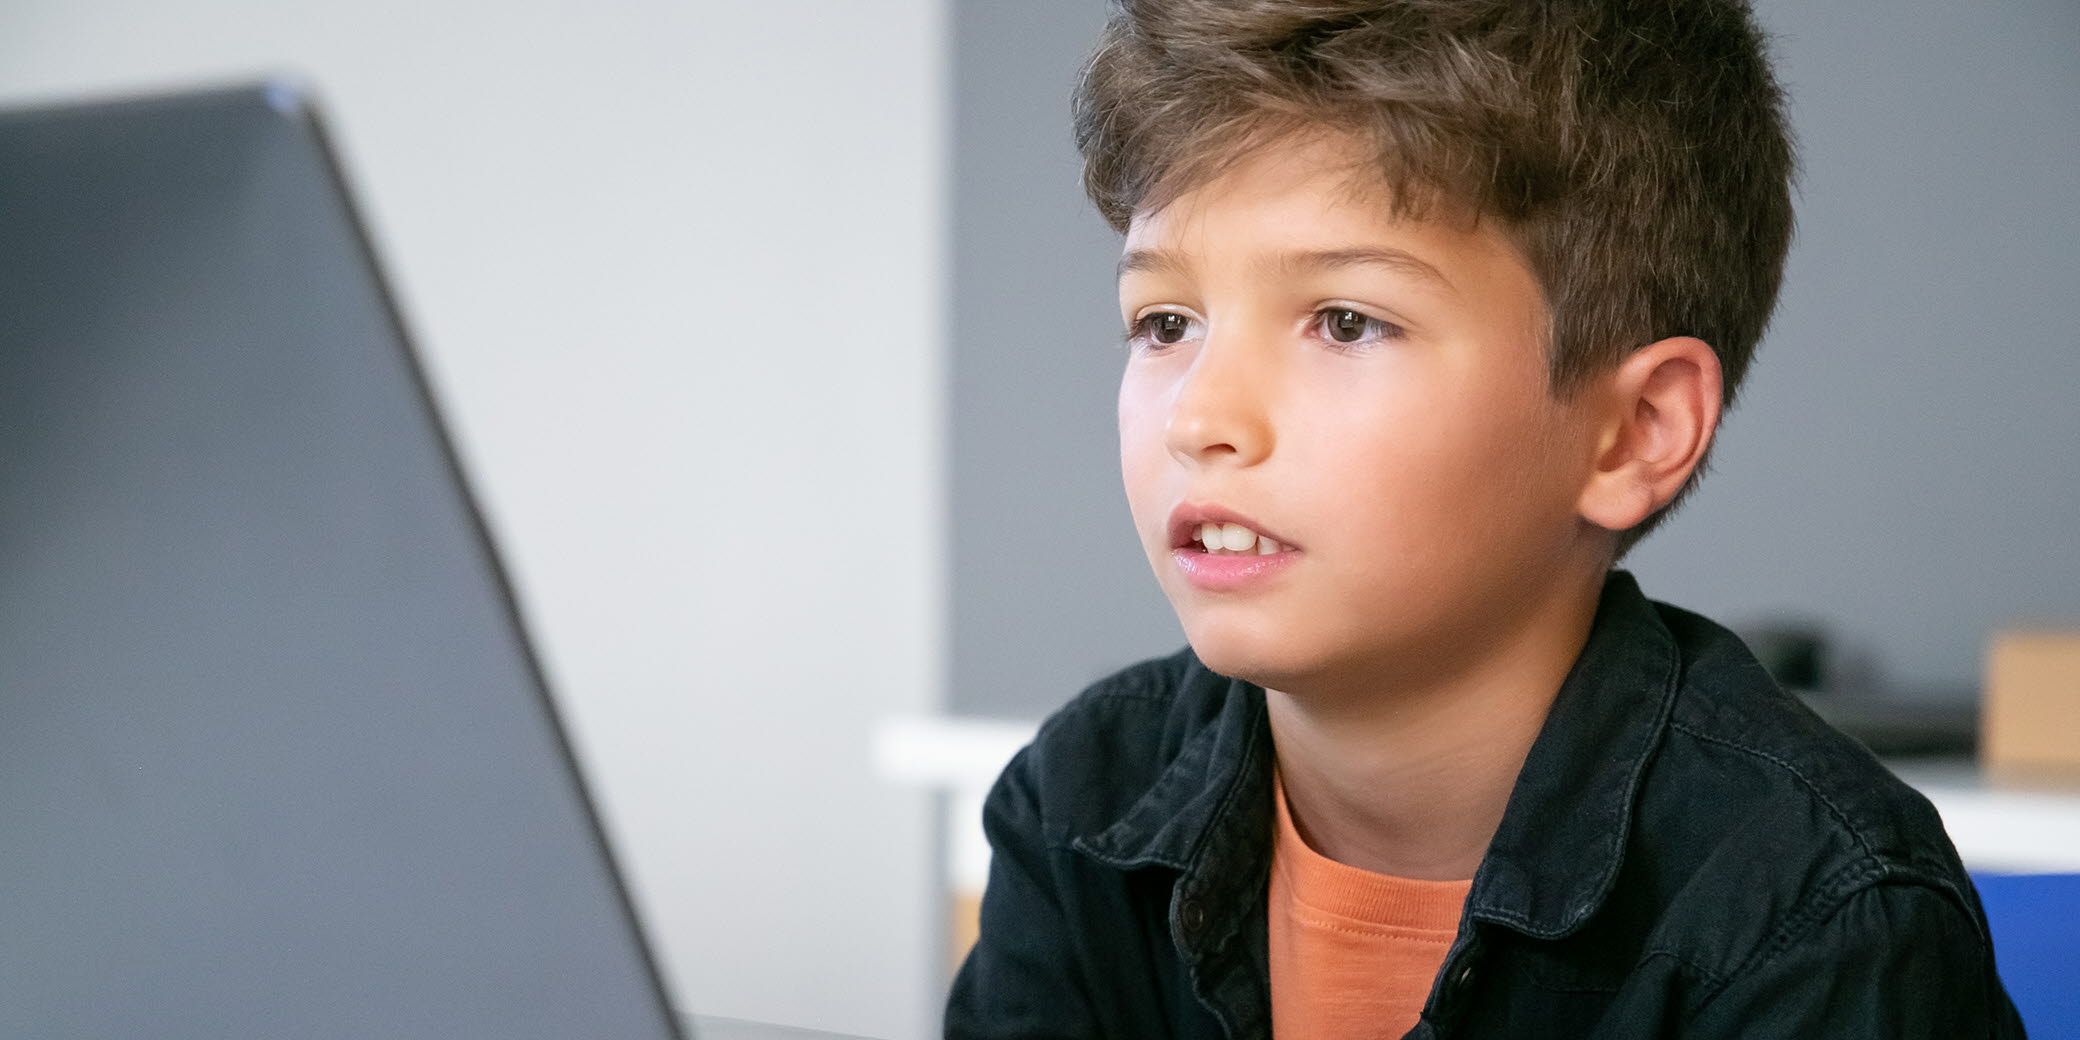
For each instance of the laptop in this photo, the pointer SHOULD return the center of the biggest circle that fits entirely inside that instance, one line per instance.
(276, 758)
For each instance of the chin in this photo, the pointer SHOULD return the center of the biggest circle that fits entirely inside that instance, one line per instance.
(1254, 655)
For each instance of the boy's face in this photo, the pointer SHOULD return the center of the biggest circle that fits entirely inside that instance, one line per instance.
(1384, 417)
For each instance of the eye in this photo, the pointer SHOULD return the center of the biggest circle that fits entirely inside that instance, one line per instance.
(1159, 329)
(1345, 327)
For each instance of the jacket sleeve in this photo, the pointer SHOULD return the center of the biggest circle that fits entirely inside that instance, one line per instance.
(1021, 978)
(1898, 961)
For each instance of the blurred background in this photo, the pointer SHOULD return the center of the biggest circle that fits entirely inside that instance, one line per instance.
(763, 329)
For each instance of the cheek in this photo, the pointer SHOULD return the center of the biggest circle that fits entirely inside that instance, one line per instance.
(1141, 450)
(1134, 418)
(1423, 478)
(1384, 441)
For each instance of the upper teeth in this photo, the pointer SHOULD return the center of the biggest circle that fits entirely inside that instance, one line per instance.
(1235, 538)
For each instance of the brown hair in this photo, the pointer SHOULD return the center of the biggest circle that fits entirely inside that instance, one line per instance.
(1636, 151)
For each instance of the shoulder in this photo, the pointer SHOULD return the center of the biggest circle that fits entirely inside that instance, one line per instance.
(1100, 752)
(1779, 818)
(1894, 960)
(1772, 756)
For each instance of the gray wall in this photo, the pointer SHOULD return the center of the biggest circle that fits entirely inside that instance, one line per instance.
(1904, 465)
(1901, 467)
(1050, 590)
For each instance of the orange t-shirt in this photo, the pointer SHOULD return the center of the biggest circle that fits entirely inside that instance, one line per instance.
(1353, 953)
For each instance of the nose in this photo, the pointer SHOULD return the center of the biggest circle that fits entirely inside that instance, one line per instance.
(1219, 414)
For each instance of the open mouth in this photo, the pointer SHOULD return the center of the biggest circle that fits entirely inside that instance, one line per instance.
(1229, 558)
(1231, 540)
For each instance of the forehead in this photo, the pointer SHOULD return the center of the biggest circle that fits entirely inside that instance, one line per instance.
(1314, 194)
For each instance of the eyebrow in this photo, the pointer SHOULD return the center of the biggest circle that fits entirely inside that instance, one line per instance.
(1298, 262)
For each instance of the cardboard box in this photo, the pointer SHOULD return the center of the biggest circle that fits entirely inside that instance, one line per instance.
(2030, 709)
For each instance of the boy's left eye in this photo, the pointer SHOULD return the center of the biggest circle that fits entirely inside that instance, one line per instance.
(1343, 326)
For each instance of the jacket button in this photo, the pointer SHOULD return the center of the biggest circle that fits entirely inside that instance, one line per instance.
(1192, 915)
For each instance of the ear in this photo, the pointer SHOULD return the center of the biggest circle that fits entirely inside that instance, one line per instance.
(1661, 409)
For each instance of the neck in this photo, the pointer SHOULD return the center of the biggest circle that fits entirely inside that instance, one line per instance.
(1411, 778)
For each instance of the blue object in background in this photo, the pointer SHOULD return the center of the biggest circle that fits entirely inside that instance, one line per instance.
(2036, 943)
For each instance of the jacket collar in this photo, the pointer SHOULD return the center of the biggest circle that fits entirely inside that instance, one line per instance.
(1562, 837)
(1556, 853)
(1218, 768)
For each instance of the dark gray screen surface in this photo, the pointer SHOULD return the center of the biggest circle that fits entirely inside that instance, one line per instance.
(275, 760)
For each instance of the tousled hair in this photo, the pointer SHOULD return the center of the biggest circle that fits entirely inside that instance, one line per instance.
(1635, 151)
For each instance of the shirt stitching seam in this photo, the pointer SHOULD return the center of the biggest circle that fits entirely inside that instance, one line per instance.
(1831, 896)
(1283, 870)
(1812, 788)
(1378, 932)
(1713, 977)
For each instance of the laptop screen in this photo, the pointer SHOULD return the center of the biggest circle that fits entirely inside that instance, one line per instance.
(275, 756)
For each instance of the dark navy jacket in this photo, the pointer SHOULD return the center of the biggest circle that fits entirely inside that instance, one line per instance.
(1688, 851)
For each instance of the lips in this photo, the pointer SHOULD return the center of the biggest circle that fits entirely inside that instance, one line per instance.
(1186, 519)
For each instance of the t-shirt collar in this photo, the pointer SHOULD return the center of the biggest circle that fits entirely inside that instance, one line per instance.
(1562, 837)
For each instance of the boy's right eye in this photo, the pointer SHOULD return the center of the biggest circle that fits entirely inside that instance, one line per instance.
(1160, 328)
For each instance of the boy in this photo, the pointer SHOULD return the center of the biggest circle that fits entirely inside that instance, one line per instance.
(1431, 309)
